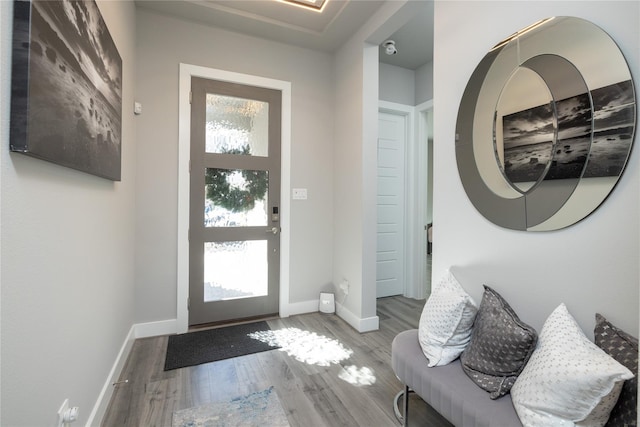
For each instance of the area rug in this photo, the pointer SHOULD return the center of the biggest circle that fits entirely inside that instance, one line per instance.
(262, 408)
(195, 348)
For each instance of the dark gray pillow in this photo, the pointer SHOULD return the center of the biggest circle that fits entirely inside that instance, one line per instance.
(623, 348)
(500, 346)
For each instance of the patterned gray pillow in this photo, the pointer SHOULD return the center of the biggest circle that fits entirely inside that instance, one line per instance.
(501, 344)
(623, 348)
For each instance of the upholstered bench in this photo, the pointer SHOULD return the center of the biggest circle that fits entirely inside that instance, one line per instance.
(506, 375)
(447, 388)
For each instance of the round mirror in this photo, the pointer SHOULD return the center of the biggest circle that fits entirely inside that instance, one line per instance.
(546, 125)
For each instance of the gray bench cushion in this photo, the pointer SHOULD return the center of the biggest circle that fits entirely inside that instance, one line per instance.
(447, 389)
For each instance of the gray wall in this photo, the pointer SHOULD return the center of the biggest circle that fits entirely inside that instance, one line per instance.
(397, 84)
(310, 72)
(75, 248)
(424, 83)
(591, 266)
(356, 118)
(404, 86)
(67, 260)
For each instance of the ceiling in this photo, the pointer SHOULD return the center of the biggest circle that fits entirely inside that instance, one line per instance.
(326, 31)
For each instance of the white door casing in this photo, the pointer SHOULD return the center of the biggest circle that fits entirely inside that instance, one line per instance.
(390, 260)
(417, 198)
(184, 144)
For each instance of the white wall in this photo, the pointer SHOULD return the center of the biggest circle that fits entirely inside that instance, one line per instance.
(159, 56)
(591, 266)
(67, 260)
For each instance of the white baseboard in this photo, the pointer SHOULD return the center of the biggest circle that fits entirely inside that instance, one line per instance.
(154, 329)
(167, 327)
(99, 409)
(360, 325)
(369, 324)
(302, 307)
(139, 330)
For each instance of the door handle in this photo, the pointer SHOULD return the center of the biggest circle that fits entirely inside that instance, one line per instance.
(273, 230)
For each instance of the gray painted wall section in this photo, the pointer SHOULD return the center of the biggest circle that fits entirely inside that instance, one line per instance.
(407, 87)
(424, 83)
(397, 84)
(67, 260)
(160, 53)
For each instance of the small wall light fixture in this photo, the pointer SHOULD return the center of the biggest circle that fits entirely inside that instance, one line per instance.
(390, 47)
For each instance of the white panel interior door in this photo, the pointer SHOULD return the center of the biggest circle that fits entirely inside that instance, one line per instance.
(392, 134)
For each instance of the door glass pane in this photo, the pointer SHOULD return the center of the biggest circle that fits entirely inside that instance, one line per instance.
(235, 198)
(235, 270)
(236, 126)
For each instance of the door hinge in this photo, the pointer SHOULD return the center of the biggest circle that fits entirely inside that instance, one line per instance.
(189, 234)
(188, 304)
(190, 97)
(189, 165)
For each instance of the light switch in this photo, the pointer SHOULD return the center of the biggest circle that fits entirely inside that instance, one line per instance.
(137, 108)
(299, 194)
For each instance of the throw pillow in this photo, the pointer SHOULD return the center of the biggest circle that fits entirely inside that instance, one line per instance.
(445, 324)
(624, 348)
(568, 380)
(501, 344)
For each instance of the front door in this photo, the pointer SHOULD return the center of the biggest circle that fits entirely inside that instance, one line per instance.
(234, 218)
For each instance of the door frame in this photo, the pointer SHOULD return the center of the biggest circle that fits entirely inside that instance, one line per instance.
(406, 113)
(184, 147)
(424, 175)
(416, 160)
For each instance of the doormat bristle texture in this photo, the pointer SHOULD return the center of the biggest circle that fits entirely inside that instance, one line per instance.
(262, 408)
(195, 348)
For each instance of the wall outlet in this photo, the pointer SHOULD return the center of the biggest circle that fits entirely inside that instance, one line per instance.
(71, 415)
(61, 412)
(67, 415)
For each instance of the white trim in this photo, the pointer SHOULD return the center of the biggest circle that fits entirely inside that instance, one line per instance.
(360, 325)
(100, 407)
(409, 262)
(186, 72)
(304, 307)
(424, 106)
(422, 160)
(415, 200)
(369, 324)
(154, 329)
(395, 108)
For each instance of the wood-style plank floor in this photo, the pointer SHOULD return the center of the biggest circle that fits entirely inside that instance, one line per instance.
(312, 395)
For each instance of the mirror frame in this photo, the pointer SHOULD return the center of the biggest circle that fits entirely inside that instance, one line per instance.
(560, 50)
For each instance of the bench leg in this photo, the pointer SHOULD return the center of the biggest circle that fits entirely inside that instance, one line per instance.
(404, 417)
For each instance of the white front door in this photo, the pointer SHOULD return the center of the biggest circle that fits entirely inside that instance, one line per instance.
(392, 135)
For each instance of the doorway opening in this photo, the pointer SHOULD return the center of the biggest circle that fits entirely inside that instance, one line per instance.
(187, 72)
(404, 200)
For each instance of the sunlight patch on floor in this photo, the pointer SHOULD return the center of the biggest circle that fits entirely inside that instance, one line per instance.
(313, 349)
(304, 346)
(357, 376)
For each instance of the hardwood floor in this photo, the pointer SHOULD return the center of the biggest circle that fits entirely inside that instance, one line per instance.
(312, 395)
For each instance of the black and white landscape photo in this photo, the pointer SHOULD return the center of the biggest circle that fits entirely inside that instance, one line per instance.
(66, 87)
(594, 135)
(613, 129)
(528, 138)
